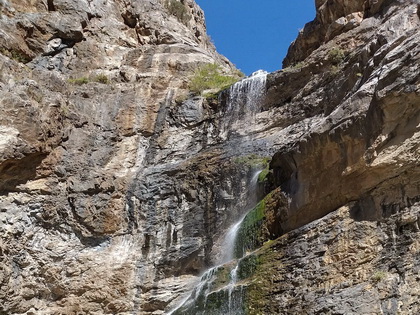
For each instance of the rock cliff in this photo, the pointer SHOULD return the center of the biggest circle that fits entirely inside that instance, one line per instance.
(118, 186)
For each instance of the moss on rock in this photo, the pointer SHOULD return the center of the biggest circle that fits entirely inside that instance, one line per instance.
(262, 177)
(253, 161)
(262, 223)
(247, 266)
(260, 281)
(248, 237)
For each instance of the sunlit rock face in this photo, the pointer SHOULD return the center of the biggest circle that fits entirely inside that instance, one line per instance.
(343, 122)
(117, 186)
(92, 211)
(332, 19)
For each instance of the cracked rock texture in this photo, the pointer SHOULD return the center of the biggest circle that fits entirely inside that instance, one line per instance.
(117, 186)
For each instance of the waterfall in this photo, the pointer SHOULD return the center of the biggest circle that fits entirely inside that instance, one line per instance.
(242, 104)
(229, 242)
(210, 285)
(218, 291)
(233, 280)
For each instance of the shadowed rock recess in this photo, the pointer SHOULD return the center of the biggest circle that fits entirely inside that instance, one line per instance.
(119, 187)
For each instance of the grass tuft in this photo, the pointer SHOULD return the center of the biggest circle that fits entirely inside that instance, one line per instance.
(336, 55)
(79, 81)
(378, 276)
(179, 10)
(210, 77)
(101, 78)
(15, 55)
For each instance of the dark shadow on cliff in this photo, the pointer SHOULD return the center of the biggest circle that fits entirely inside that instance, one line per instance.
(16, 172)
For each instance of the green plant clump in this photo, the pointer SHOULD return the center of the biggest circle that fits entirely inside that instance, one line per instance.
(178, 10)
(211, 96)
(215, 296)
(209, 77)
(247, 266)
(79, 81)
(221, 277)
(249, 233)
(296, 66)
(262, 177)
(259, 273)
(253, 161)
(378, 276)
(15, 55)
(101, 78)
(336, 55)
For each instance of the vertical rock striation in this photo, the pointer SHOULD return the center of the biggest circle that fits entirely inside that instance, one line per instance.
(96, 187)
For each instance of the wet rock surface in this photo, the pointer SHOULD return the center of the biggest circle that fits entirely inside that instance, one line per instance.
(117, 187)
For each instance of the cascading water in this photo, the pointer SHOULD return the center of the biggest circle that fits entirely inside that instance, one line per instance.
(242, 104)
(218, 291)
(220, 282)
(229, 242)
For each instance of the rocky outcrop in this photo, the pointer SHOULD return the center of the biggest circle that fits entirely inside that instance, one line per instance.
(117, 186)
(353, 109)
(89, 105)
(344, 125)
(332, 19)
(341, 264)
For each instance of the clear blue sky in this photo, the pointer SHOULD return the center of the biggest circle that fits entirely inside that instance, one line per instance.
(256, 34)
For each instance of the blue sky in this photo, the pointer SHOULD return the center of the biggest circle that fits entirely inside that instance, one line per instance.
(255, 34)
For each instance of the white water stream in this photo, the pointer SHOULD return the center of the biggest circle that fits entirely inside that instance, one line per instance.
(229, 242)
(242, 106)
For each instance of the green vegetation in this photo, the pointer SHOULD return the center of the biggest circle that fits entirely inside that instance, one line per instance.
(101, 78)
(378, 276)
(334, 70)
(296, 66)
(216, 299)
(336, 55)
(249, 233)
(178, 9)
(262, 177)
(253, 161)
(65, 110)
(247, 266)
(262, 223)
(15, 55)
(181, 98)
(221, 277)
(256, 162)
(210, 77)
(213, 297)
(211, 96)
(79, 81)
(260, 278)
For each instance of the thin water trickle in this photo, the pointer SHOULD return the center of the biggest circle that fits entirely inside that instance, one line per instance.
(233, 280)
(229, 242)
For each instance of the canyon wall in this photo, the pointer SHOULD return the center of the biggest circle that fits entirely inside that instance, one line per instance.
(117, 185)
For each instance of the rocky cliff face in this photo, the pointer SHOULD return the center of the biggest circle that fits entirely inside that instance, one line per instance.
(117, 187)
(89, 124)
